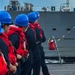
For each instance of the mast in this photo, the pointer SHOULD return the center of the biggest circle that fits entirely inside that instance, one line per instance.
(67, 3)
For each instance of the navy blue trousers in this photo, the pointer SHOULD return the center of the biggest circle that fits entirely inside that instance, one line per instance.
(43, 64)
(26, 67)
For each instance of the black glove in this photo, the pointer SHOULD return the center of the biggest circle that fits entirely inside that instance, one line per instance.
(23, 59)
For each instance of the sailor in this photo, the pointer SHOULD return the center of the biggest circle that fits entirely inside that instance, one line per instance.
(23, 21)
(36, 55)
(17, 37)
(5, 45)
(43, 39)
(3, 63)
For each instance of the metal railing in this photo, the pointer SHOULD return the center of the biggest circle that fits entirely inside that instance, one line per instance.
(36, 8)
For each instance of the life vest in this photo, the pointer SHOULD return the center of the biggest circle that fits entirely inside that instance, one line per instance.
(11, 55)
(36, 25)
(3, 65)
(51, 45)
(21, 50)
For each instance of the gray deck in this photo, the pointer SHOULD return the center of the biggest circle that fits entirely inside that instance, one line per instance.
(61, 69)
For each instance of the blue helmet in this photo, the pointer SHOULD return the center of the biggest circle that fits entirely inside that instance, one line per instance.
(5, 18)
(1, 30)
(21, 20)
(32, 17)
(37, 13)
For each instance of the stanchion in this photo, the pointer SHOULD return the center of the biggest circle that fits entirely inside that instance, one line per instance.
(57, 50)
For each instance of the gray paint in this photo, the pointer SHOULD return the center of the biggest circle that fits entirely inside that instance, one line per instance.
(61, 21)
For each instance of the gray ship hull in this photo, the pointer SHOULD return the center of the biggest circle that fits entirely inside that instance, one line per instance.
(61, 25)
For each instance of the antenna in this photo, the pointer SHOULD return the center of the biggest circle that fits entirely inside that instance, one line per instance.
(67, 3)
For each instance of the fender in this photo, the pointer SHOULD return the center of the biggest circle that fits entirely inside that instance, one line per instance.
(51, 45)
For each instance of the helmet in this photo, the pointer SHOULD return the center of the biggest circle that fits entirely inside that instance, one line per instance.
(37, 13)
(1, 30)
(21, 20)
(5, 18)
(32, 17)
